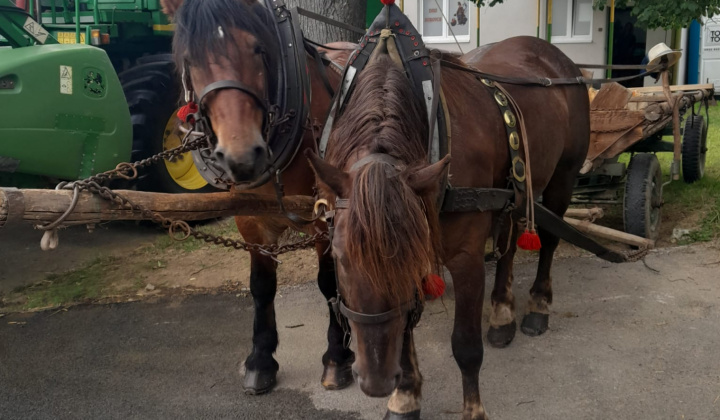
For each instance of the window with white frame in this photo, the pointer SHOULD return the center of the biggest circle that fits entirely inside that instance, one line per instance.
(572, 21)
(441, 19)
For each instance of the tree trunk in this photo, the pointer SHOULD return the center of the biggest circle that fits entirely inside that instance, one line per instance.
(351, 12)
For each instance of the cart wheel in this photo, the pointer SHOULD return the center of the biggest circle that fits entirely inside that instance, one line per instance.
(694, 149)
(643, 196)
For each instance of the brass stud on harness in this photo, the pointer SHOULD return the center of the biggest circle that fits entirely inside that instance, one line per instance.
(500, 98)
(518, 168)
(509, 118)
(514, 140)
(488, 82)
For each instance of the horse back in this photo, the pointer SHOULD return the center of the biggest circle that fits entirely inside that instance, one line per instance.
(557, 118)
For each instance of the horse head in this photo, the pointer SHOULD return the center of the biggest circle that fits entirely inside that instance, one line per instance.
(385, 236)
(227, 53)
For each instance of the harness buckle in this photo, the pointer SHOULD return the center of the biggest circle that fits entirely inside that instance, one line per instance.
(547, 82)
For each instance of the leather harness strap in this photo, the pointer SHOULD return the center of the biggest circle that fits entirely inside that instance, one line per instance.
(546, 81)
(379, 318)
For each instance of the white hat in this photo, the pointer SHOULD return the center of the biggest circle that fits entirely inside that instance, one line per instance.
(661, 50)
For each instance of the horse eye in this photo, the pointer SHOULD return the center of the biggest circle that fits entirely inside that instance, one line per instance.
(259, 49)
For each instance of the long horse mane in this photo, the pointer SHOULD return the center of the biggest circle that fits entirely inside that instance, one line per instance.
(393, 235)
(197, 22)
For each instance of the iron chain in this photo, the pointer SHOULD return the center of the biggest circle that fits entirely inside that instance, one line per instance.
(177, 229)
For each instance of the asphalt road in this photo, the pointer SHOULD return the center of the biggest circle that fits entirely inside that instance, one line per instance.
(625, 342)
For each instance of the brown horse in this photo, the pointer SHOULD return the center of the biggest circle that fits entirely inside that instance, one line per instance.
(231, 40)
(387, 232)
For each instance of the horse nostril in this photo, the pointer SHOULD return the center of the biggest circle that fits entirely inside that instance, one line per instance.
(258, 151)
(219, 154)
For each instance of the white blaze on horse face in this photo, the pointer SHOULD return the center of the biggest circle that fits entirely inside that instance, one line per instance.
(221, 34)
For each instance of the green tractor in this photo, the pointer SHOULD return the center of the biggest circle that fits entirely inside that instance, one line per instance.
(84, 85)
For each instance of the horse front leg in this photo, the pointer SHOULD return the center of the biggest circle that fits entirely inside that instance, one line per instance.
(260, 366)
(404, 403)
(467, 268)
(502, 318)
(338, 359)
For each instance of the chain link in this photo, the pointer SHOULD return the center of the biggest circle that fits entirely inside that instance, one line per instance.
(179, 230)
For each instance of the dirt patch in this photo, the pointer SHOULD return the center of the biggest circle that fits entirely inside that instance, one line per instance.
(155, 268)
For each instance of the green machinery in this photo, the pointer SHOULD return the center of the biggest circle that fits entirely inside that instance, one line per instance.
(84, 85)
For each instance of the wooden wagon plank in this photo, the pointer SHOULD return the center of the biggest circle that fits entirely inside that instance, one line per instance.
(41, 206)
(674, 88)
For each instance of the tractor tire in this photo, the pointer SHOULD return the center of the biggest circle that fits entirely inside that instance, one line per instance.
(642, 203)
(153, 92)
(694, 149)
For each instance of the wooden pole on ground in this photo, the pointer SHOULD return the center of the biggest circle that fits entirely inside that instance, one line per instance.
(586, 214)
(607, 233)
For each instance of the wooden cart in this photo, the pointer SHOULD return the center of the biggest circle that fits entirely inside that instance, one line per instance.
(635, 120)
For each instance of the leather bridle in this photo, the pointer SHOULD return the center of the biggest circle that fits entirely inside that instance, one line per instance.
(412, 309)
(201, 115)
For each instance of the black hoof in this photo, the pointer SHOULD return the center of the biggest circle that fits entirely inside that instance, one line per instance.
(413, 415)
(501, 336)
(337, 376)
(258, 382)
(535, 324)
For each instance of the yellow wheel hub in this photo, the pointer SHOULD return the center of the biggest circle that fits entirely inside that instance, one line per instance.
(181, 169)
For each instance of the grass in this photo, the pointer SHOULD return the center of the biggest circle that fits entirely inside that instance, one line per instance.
(70, 287)
(703, 196)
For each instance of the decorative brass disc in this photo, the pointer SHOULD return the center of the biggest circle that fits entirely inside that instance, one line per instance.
(500, 98)
(488, 82)
(518, 168)
(509, 118)
(514, 140)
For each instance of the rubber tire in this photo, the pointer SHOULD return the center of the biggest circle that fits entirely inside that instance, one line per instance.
(643, 176)
(153, 92)
(694, 149)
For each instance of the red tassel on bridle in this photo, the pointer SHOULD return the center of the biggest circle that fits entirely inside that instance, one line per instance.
(387, 2)
(433, 286)
(186, 112)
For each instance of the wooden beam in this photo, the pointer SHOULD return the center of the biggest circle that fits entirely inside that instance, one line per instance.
(608, 233)
(43, 206)
(586, 214)
(674, 88)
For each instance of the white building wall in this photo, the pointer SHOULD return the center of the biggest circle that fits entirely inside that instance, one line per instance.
(516, 18)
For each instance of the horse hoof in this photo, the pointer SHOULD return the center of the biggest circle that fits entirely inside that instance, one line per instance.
(259, 382)
(413, 415)
(535, 324)
(501, 336)
(337, 376)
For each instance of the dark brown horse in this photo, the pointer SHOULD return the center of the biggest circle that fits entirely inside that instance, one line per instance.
(231, 40)
(387, 234)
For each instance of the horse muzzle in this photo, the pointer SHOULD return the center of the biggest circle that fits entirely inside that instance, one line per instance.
(246, 166)
(378, 385)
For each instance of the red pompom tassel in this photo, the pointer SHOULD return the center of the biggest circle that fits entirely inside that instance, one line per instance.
(433, 286)
(387, 2)
(529, 241)
(187, 110)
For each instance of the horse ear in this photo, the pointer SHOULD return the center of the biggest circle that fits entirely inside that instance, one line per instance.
(426, 181)
(169, 7)
(329, 176)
